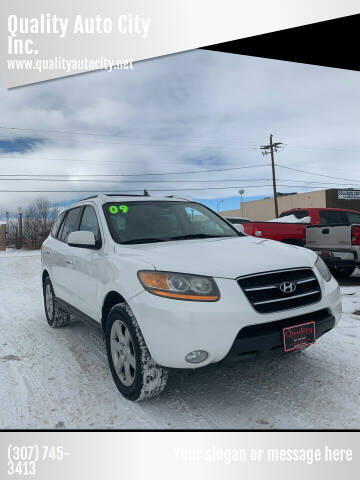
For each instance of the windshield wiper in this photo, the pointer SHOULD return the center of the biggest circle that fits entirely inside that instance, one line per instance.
(143, 240)
(191, 236)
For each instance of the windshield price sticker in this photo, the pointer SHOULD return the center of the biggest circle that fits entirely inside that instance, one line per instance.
(115, 209)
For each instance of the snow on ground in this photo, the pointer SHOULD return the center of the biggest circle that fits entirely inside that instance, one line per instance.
(60, 379)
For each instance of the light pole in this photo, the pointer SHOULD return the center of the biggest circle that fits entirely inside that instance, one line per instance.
(219, 203)
(241, 192)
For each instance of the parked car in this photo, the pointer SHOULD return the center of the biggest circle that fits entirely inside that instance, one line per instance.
(174, 285)
(338, 245)
(294, 233)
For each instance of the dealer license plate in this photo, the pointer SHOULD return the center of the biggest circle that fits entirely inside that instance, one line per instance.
(299, 336)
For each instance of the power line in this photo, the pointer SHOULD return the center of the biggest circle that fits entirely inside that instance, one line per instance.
(309, 183)
(140, 174)
(313, 173)
(154, 190)
(94, 134)
(314, 147)
(131, 181)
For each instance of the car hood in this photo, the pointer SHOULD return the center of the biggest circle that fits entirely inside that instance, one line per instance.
(220, 257)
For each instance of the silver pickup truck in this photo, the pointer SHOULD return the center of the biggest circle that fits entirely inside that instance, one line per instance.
(338, 245)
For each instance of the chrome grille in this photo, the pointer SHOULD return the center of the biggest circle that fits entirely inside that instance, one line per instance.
(265, 295)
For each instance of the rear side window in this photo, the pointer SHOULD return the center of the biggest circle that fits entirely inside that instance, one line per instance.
(352, 217)
(57, 224)
(328, 217)
(70, 224)
(237, 221)
(90, 223)
(297, 213)
(301, 214)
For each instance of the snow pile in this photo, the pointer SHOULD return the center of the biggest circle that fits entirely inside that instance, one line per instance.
(291, 219)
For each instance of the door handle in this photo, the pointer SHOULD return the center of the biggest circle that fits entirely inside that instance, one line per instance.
(69, 262)
(325, 230)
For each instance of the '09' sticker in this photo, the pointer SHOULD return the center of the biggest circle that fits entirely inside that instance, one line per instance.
(115, 209)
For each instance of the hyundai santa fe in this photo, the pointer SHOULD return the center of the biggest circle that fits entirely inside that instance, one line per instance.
(174, 285)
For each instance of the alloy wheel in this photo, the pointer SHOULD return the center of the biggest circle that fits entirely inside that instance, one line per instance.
(123, 353)
(49, 301)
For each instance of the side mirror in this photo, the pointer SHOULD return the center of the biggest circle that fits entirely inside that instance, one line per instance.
(83, 239)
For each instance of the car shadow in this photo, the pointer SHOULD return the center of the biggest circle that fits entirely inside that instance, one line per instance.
(269, 392)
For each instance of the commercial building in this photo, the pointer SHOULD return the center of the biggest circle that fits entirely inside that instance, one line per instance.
(331, 198)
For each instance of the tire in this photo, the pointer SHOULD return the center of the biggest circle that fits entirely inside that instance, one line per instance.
(55, 316)
(135, 373)
(342, 272)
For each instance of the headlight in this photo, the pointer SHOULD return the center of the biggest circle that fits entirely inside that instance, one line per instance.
(323, 269)
(181, 286)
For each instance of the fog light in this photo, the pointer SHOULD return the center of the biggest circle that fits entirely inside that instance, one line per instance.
(197, 356)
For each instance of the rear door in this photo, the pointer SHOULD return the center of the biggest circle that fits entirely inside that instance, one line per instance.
(62, 272)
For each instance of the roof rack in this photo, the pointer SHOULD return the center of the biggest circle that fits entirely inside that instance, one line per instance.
(124, 195)
(145, 194)
(180, 198)
(87, 198)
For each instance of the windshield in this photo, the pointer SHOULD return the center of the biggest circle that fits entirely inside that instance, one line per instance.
(161, 221)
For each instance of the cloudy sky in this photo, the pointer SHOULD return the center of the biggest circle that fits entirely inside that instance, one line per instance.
(198, 111)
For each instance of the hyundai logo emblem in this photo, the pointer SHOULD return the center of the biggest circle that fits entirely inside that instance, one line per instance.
(287, 287)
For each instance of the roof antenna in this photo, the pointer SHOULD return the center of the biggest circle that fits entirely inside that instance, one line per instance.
(146, 193)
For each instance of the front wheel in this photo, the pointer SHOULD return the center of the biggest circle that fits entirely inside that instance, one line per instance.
(135, 373)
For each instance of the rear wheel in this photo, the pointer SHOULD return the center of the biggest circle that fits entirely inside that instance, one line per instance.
(135, 373)
(56, 317)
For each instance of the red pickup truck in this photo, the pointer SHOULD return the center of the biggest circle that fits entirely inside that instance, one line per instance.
(294, 233)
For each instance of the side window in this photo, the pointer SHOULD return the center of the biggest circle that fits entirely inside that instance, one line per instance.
(328, 217)
(57, 224)
(352, 217)
(301, 214)
(90, 223)
(297, 213)
(201, 223)
(237, 221)
(70, 224)
(285, 214)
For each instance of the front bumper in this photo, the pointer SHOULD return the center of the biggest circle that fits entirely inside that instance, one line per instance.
(265, 338)
(173, 328)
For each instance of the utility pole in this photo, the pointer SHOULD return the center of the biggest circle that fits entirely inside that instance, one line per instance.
(271, 148)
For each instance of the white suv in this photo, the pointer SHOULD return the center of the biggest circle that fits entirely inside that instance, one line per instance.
(174, 285)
